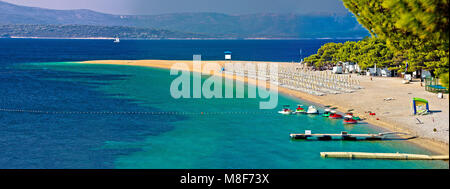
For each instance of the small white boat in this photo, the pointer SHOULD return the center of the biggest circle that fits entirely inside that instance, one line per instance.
(312, 110)
(286, 110)
(116, 40)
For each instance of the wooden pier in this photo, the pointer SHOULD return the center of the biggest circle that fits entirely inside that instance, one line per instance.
(346, 136)
(388, 156)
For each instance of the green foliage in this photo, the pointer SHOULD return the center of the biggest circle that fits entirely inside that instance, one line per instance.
(403, 31)
(366, 53)
(416, 30)
(327, 54)
(404, 23)
(423, 19)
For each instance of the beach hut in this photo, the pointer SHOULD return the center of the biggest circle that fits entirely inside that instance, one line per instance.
(337, 70)
(227, 55)
(385, 72)
(420, 106)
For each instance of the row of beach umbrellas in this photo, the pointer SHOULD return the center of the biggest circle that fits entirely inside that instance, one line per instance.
(299, 77)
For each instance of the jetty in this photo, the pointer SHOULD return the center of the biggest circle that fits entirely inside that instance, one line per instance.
(387, 156)
(346, 136)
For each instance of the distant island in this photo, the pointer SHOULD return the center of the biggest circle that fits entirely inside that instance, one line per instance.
(22, 21)
(88, 31)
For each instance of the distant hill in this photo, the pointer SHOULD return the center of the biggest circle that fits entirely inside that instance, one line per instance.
(15, 14)
(89, 31)
(256, 25)
(208, 24)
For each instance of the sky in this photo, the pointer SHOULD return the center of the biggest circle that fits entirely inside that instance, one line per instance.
(142, 7)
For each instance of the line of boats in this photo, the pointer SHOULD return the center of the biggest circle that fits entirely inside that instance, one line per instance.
(349, 118)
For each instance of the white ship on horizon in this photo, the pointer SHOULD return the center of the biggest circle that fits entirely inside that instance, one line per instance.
(117, 40)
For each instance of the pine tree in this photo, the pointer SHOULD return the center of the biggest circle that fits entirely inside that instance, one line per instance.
(403, 31)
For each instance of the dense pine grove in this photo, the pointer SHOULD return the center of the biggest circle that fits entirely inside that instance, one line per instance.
(413, 32)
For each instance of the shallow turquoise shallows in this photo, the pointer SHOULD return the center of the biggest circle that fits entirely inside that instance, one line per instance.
(230, 133)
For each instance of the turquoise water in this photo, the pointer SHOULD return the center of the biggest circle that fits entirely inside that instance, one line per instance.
(230, 134)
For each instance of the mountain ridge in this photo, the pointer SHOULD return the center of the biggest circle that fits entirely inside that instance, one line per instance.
(220, 25)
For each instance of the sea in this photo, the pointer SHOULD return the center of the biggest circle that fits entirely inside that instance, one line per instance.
(59, 114)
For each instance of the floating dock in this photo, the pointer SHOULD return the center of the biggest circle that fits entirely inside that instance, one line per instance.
(388, 156)
(346, 136)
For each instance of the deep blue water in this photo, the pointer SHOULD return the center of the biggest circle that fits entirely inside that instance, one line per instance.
(38, 75)
(50, 50)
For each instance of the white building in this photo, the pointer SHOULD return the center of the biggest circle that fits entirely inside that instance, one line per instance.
(227, 55)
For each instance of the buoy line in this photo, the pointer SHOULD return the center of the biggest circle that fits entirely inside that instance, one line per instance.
(22, 71)
(129, 113)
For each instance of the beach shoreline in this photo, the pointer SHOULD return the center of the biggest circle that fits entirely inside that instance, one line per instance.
(435, 144)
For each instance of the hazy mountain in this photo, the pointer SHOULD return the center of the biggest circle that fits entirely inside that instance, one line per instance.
(211, 24)
(15, 14)
(256, 25)
(89, 31)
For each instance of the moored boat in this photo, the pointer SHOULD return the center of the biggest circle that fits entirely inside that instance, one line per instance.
(312, 110)
(300, 110)
(350, 121)
(286, 110)
(348, 115)
(326, 112)
(357, 118)
(334, 115)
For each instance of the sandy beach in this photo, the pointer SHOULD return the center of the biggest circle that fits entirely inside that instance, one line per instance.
(394, 114)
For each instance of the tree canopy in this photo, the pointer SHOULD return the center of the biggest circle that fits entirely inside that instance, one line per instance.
(403, 31)
(366, 53)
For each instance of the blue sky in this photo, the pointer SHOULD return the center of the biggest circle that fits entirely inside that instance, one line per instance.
(173, 6)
